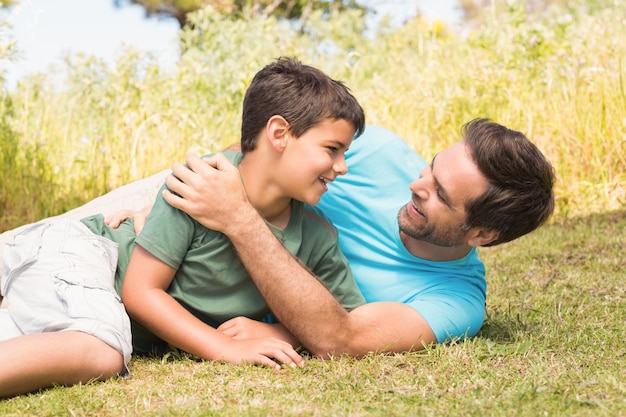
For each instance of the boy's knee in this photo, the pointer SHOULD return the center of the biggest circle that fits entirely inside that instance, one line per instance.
(111, 367)
(109, 364)
(100, 361)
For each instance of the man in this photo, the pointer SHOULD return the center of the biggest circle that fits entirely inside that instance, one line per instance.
(410, 242)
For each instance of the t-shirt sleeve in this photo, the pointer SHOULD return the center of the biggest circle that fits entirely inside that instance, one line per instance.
(451, 314)
(168, 233)
(334, 272)
(320, 251)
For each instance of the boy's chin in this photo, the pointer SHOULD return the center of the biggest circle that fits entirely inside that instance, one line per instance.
(313, 201)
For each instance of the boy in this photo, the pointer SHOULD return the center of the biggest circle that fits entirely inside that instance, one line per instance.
(65, 323)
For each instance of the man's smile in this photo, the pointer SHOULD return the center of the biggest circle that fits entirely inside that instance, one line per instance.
(412, 207)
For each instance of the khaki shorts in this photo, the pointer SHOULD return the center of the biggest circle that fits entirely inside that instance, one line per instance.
(59, 276)
(133, 196)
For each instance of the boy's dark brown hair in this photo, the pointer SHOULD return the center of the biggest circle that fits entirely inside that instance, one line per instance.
(302, 94)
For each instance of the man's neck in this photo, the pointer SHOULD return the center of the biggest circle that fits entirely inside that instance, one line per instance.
(430, 252)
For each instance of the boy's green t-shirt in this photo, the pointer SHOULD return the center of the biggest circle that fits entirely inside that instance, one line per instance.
(210, 280)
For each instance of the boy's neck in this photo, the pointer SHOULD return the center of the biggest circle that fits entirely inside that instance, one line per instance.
(265, 195)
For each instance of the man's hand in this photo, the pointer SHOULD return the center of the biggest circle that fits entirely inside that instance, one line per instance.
(210, 191)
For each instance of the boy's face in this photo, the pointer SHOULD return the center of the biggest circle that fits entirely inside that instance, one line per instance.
(314, 159)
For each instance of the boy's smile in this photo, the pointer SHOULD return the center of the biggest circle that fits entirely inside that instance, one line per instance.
(315, 159)
(325, 182)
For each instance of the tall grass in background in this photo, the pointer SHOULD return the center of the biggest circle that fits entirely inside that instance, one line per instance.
(556, 74)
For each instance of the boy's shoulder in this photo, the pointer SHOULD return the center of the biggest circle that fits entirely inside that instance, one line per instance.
(233, 156)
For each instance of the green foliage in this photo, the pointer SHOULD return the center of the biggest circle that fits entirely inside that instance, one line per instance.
(27, 183)
(8, 3)
(25, 173)
(8, 46)
(181, 10)
(557, 75)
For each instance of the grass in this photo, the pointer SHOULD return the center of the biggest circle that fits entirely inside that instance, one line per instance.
(552, 345)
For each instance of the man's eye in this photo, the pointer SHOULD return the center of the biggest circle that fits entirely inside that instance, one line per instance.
(440, 196)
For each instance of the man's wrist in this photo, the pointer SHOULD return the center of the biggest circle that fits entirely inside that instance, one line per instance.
(244, 219)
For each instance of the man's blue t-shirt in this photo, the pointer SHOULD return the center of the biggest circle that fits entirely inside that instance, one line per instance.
(364, 207)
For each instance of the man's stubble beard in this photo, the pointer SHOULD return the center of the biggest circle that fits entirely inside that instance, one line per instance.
(445, 236)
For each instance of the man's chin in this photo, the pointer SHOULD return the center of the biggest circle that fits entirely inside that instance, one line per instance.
(413, 233)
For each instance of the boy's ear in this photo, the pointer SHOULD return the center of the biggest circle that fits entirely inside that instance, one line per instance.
(480, 236)
(277, 129)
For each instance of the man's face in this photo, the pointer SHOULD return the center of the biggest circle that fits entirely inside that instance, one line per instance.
(436, 213)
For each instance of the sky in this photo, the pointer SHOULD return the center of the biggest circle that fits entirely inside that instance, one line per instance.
(46, 29)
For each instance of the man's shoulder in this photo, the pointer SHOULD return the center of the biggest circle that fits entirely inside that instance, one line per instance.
(382, 136)
(383, 143)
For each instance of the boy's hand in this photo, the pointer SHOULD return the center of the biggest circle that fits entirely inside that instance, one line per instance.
(139, 218)
(244, 328)
(266, 351)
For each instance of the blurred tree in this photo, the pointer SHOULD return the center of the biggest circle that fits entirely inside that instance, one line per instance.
(288, 9)
(471, 8)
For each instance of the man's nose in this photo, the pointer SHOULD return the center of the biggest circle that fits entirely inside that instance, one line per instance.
(422, 185)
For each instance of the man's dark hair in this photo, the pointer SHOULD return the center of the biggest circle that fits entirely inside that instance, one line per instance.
(519, 197)
(302, 94)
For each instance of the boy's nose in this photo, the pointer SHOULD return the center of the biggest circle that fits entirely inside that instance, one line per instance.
(340, 167)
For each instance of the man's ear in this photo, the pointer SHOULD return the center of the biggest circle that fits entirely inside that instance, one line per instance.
(480, 236)
(277, 129)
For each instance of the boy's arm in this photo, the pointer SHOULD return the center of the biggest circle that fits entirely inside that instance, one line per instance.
(146, 300)
(321, 323)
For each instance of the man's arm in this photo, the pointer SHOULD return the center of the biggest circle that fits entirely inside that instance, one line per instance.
(319, 321)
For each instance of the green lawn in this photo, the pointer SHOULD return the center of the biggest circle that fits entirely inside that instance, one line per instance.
(553, 344)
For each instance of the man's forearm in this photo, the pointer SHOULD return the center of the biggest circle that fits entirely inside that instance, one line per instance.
(302, 304)
(318, 321)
